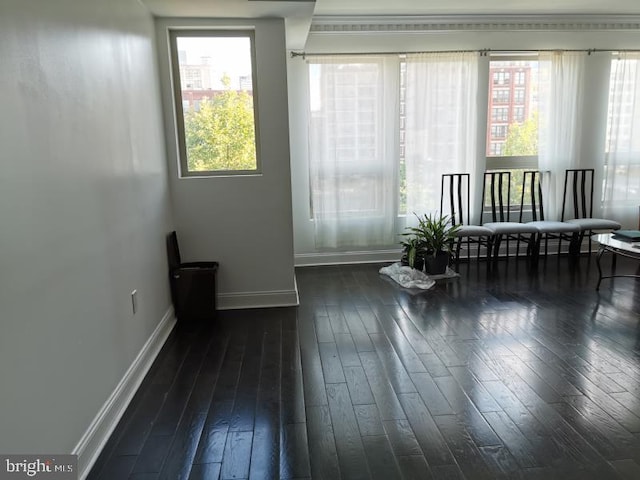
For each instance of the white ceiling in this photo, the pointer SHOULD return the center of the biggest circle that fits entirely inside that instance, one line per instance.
(286, 8)
(472, 7)
(298, 14)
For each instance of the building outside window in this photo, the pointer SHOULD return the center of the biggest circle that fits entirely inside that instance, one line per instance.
(215, 99)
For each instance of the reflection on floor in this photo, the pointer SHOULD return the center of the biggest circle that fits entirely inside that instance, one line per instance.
(502, 373)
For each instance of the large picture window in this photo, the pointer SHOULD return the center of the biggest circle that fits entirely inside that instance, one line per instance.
(215, 101)
(353, 160)
(382, 130)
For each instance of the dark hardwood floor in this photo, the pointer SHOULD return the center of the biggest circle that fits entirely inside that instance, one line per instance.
(503, 373)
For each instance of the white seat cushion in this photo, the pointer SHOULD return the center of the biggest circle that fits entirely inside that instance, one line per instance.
(505, 228)
(549, 226)
(473, 231)
(595, 224)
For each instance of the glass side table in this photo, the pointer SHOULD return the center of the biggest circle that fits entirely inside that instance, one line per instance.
(615, 247)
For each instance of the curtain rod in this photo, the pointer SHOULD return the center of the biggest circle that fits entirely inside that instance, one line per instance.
(482, 52)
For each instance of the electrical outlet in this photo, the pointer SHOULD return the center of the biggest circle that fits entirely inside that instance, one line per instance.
(134, 301)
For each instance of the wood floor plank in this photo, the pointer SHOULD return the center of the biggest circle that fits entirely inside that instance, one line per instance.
(347, 350)
(519, 446)
(357, 329)
(431, 394)
(294, 457)
(265, 448)
(292, 409)
(351, 454)
(237, 452)
(244, 406)
(431, 441)
(414, 467)
(368, 419)
(359, 389)
(322, 444)
(205, 471)
(501, 463)
(482, 400)
(384, 395)
(184, 447)
(467, 412)
(324, 333)
(331, 364)
(626, 469)
(464, 450)
(153, 455)
(394, 369)
(382, 462)
(402, 438)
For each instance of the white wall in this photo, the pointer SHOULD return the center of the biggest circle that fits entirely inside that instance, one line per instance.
(244, 222)
(359, 41)
(84, 209)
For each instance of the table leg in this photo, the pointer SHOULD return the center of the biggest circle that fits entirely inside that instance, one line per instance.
(601, 250)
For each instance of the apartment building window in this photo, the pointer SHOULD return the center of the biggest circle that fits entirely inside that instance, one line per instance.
(216, 101)
(518, 114)
(501, 77)
(501, 96)
(499, 114)
(498, 131)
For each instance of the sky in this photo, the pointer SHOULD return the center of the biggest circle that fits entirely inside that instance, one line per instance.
(231, 54)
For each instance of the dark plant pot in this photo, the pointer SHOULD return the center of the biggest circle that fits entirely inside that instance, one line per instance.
(437, 265)
(419, 264)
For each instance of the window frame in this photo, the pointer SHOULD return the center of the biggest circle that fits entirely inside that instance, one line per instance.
(176, 92)
(516, 162)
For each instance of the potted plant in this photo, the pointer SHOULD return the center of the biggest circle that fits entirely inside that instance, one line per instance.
(437, 234)
(412, 252)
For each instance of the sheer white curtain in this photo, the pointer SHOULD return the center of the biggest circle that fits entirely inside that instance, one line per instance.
(353, 159)
(561, 87)
(440, 115)
(622, 161)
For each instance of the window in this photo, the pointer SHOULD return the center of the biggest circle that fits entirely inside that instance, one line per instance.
(500, 114)
(498, 131)
(215, 99)
(622, 160)
(377, 144)
(512, 130)
(352, 170)
(501, 77)
(518, 114)
(500, 96)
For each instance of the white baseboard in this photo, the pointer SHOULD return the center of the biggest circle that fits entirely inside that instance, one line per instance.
(338, 258)
(92, 442)
(274, 298)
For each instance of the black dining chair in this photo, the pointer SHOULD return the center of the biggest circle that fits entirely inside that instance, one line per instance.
(578, 200)
(455, 202)
(532, 200)
(496, 203)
